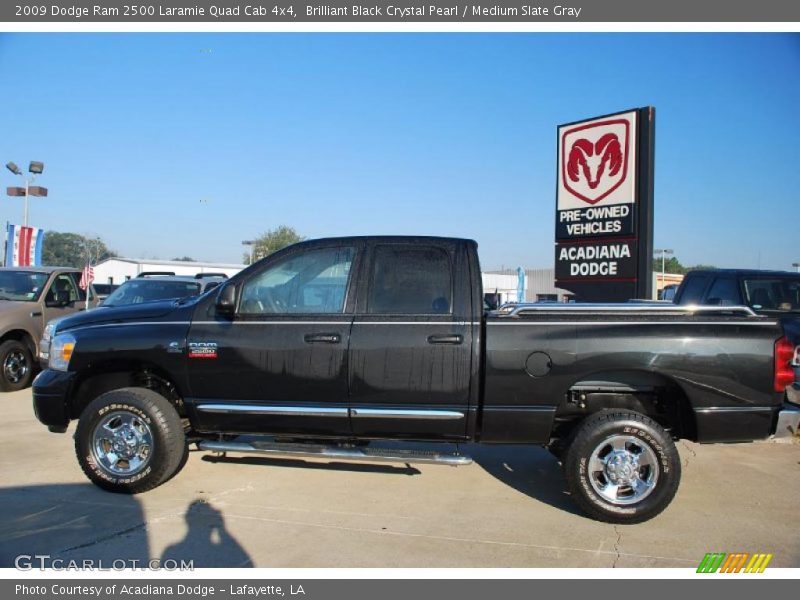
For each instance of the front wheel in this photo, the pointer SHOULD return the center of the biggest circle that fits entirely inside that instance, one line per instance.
(16, 366)
(130, 440)
(622, 467)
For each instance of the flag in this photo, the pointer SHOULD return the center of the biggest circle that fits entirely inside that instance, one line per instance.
(24, 246)
(87, 277)
(521, 284)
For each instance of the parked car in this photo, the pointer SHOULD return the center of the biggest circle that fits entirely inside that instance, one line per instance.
(29, 298)
(328, 346)
(160, 287)
(766, 292)
(103, 290)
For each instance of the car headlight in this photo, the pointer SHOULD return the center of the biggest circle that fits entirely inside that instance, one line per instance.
(61, 349)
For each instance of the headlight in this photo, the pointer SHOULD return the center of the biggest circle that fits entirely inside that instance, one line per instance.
(61, 349)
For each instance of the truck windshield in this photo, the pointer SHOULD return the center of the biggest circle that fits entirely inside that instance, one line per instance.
(147, 290)
(23, 286)
(773, 293)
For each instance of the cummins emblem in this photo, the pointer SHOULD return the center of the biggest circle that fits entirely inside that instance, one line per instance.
(595, 157)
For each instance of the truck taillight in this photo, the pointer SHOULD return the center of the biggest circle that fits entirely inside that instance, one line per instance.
(784, 373)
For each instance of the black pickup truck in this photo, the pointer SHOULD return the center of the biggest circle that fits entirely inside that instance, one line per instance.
(330, 346)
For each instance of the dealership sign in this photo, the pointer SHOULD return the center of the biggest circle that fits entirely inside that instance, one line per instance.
(604, 206)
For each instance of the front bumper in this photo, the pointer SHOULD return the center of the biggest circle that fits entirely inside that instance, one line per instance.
(51, 389)
(788, 421)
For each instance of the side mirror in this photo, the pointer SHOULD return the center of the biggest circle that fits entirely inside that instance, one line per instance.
(226, 301)
(59, 299)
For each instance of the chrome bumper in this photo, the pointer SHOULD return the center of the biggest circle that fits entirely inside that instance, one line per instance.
(788, 421)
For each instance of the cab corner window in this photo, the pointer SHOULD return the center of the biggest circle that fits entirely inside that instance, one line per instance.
(310, 282)
(410, 280)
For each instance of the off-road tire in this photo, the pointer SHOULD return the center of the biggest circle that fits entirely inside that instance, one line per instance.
(643, 434)
(168, 450)
(14, 355)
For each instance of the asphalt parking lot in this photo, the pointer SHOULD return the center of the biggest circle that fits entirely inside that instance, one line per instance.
(508, 509)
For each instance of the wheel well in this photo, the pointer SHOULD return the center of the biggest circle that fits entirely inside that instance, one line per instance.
(21, 336)
(105, 377)
(651, 394)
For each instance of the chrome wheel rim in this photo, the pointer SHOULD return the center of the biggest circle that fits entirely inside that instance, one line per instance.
(15, 366)
(122, 443)
(623, 469)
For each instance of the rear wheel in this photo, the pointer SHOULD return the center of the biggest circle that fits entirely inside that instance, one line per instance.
(130, 440)
(622, 467)
(16, 365)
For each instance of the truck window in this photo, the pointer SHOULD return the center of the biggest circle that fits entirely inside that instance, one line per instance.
(314, 281)
(410, 280)
(64, 283)
(693, 290)
(724, 292)
(782, 294)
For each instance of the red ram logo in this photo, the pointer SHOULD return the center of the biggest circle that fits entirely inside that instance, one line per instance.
(594, 159)
(588, 158)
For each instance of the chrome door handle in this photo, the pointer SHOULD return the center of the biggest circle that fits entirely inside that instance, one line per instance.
(453, 339)
(322, 338)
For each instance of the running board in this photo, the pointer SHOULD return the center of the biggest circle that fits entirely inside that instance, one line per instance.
(336, 453)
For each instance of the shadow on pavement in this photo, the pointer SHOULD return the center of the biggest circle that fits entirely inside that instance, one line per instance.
(208, 542)
(63, 519)
(80, 522)
(302, 464)
(531, 470)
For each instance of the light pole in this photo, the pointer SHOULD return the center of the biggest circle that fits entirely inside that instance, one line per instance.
(252, 244)
(34, 168)
(664, 252)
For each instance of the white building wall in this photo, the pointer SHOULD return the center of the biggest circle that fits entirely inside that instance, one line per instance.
(119, 270)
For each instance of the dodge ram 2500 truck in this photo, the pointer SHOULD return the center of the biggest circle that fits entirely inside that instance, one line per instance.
(330, 346)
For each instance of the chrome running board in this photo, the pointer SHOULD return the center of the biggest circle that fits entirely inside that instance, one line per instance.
(336, 453)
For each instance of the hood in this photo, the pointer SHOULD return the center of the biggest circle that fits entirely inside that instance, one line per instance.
(145, 311)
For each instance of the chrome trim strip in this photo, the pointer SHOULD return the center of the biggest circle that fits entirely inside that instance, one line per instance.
(716, 409)
(598, 323)
(632, 307)
(434, 415)
(259, 409)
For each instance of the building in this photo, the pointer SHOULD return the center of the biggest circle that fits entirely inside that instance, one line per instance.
(539, 284)
(119, 270)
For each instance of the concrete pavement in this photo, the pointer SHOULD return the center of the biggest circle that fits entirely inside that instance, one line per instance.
(508, 509)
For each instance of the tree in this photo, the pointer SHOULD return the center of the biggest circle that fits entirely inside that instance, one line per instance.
(671, 265)
(272, 241)
(185, 259)
(72, 249)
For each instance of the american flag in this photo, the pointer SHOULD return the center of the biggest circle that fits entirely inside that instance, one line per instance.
(87, 277)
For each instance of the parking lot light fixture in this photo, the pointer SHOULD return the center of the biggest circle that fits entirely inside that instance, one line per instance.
(35, 168)
(252, 244)
(664, 252)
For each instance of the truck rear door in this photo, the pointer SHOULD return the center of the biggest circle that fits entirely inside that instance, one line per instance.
(411, 344)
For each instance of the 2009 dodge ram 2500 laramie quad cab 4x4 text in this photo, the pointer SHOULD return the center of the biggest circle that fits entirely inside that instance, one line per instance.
(330, 345)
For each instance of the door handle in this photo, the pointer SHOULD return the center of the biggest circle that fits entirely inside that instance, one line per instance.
(453, 339)
(322, 338)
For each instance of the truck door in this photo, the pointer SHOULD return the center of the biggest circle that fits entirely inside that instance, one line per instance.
(280, 364)
(411, 343)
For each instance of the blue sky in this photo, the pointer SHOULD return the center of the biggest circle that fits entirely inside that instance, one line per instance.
(185, 144)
